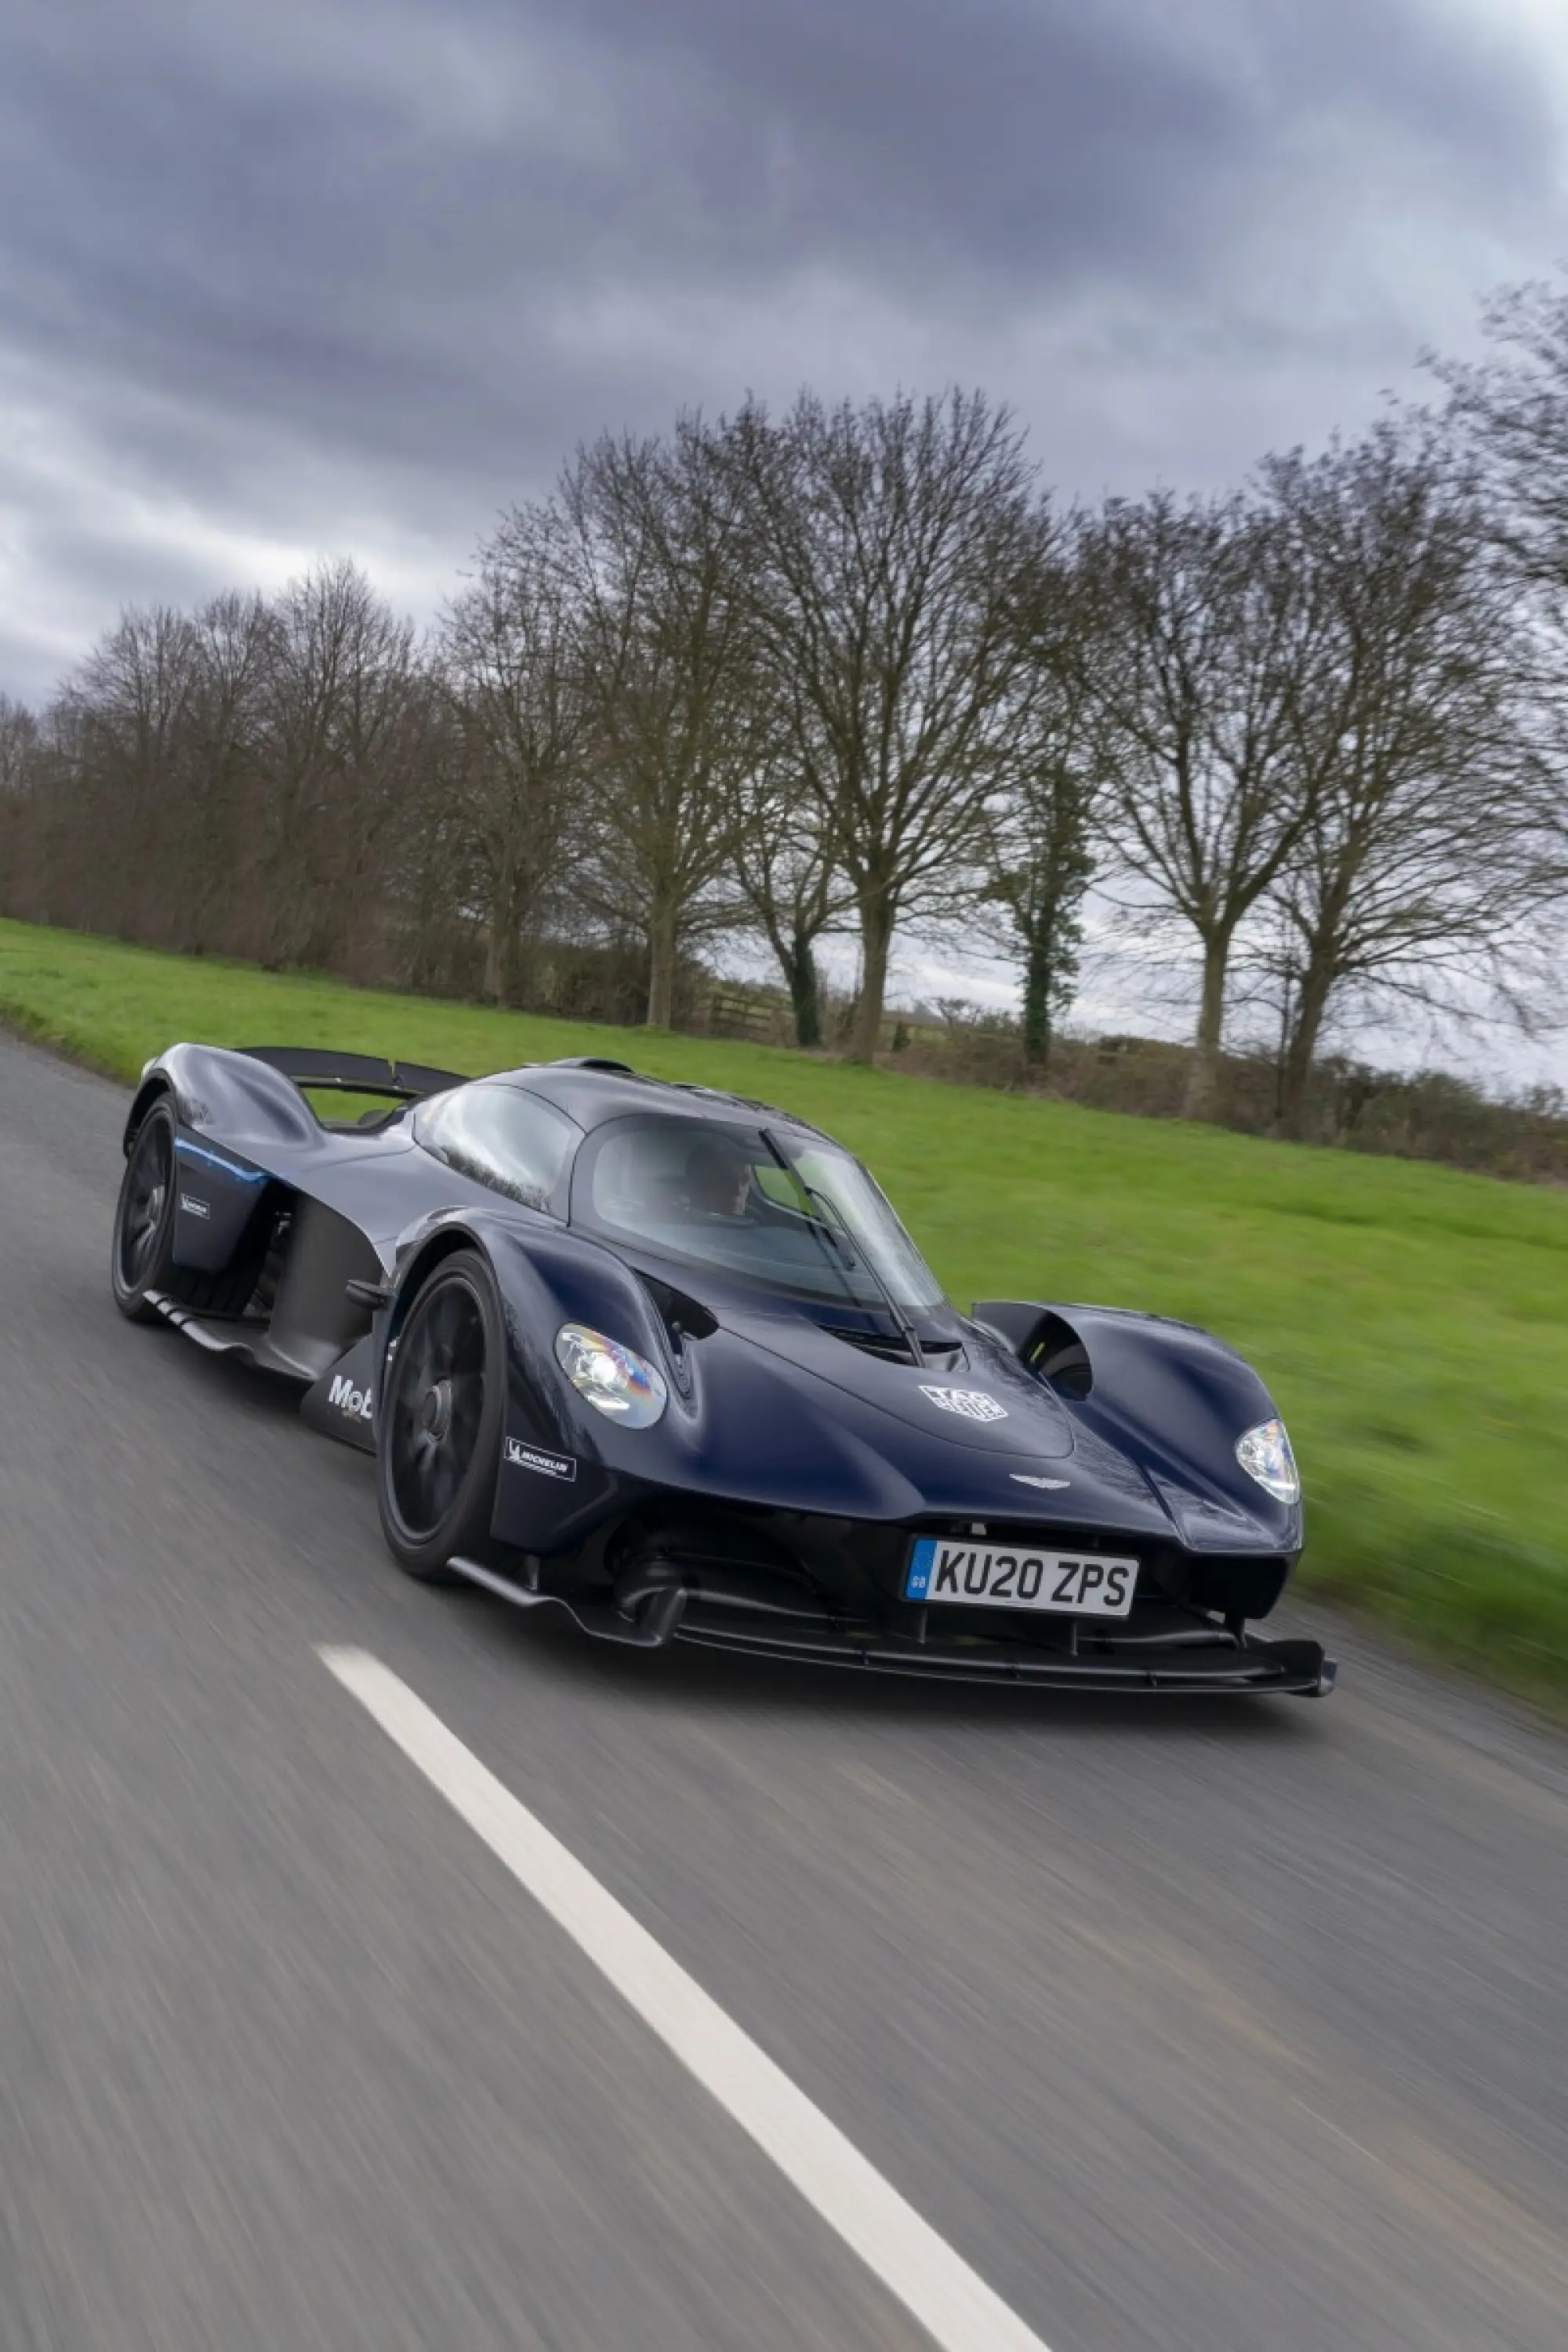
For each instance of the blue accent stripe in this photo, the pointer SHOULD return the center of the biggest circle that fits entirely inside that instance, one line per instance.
(917, 1584)
(190, 1150)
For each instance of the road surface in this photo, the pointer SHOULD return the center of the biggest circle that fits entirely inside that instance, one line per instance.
(1241, 2028)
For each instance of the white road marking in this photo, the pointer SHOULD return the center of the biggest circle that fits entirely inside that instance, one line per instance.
(951, 2301)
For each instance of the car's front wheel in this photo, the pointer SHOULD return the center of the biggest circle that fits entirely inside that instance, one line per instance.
(438, 1420)
(144, 1243)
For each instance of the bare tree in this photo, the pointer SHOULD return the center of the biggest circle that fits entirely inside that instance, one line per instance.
(788, 872)
(20, 748)
(1421, 862)
(893, 544)
(19, 737)
(339, 729)
(1040, 840)
(131, 706)
(508, 650)
(232, 647)
(1510, 416)
(1214, 639)
(1512, 411)
(657, 532)
(46, 867)
(438, 938)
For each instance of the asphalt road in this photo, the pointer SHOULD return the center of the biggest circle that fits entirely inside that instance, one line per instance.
(1241, 2027)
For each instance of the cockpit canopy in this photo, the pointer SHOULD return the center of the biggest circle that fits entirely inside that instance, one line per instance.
(774, 1206)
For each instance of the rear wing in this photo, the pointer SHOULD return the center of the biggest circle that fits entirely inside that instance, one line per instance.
(354, 1074)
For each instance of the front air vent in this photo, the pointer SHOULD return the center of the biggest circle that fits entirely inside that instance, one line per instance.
(892, 1348)
(684, 1318)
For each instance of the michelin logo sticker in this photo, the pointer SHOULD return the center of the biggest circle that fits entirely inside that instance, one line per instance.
(548, 1465)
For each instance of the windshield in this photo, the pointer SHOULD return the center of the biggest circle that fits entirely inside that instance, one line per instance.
(786, 1210)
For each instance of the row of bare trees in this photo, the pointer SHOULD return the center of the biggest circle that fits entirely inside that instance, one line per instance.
(1320, 738)
(849, 670)
(229, 781)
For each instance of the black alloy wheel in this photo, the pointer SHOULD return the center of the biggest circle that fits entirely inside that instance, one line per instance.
(438, 1421)
(144, 1217)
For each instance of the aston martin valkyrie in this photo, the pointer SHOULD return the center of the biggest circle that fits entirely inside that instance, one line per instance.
(665, 1359)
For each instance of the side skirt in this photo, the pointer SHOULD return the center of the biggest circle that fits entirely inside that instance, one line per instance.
(248, 1341)
(338, 1404)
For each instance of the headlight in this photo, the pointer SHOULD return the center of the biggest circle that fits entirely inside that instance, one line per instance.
(1264, 1454)
(614, 1380)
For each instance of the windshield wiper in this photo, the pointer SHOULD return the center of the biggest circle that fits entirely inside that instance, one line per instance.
(833, 1223)
(825, 1221)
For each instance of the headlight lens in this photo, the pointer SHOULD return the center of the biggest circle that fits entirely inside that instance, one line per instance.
(617, 1381)
(1264, 1454)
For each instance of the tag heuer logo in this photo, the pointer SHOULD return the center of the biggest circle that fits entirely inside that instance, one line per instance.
(971, 1404)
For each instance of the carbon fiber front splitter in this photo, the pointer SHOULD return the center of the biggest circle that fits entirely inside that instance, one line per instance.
(1290, 1666)
(1201, 1656)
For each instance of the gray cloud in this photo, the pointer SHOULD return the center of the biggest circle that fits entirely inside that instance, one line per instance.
(274, 281)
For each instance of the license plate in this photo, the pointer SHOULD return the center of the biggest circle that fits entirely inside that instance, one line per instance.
(1007, 1576)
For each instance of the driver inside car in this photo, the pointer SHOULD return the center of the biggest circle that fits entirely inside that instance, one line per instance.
(718, 1178)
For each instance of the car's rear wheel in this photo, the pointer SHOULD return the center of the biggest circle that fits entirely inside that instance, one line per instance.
(438, 1421)
(144, 1246)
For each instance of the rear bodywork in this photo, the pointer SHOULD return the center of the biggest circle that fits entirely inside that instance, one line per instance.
(802, 1453)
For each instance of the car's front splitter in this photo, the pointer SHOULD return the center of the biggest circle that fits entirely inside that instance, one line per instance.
(1200, 1656)
(1297, 1667)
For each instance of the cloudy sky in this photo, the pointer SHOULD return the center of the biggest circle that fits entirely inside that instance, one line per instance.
(347, 275)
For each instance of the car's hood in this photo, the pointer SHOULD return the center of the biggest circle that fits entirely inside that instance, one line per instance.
(990, 1402)
(771, 1408)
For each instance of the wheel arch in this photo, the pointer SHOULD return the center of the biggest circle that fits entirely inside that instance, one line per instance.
(445, 1242)
(426, 1555)
(154, 1084)
(246, 1103)
(537, 1277)
(1170, 1395)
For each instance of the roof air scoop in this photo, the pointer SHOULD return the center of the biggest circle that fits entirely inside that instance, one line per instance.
(1043, 1340)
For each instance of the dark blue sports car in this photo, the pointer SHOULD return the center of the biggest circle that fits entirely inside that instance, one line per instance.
(666, 1359)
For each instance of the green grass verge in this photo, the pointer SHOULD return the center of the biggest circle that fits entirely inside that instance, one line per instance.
(1412, 1321)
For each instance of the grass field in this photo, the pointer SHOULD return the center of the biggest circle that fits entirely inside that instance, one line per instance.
(1413, 1322)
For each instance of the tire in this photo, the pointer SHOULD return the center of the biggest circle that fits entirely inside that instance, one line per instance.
(438, 1421)
(141, 1254)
